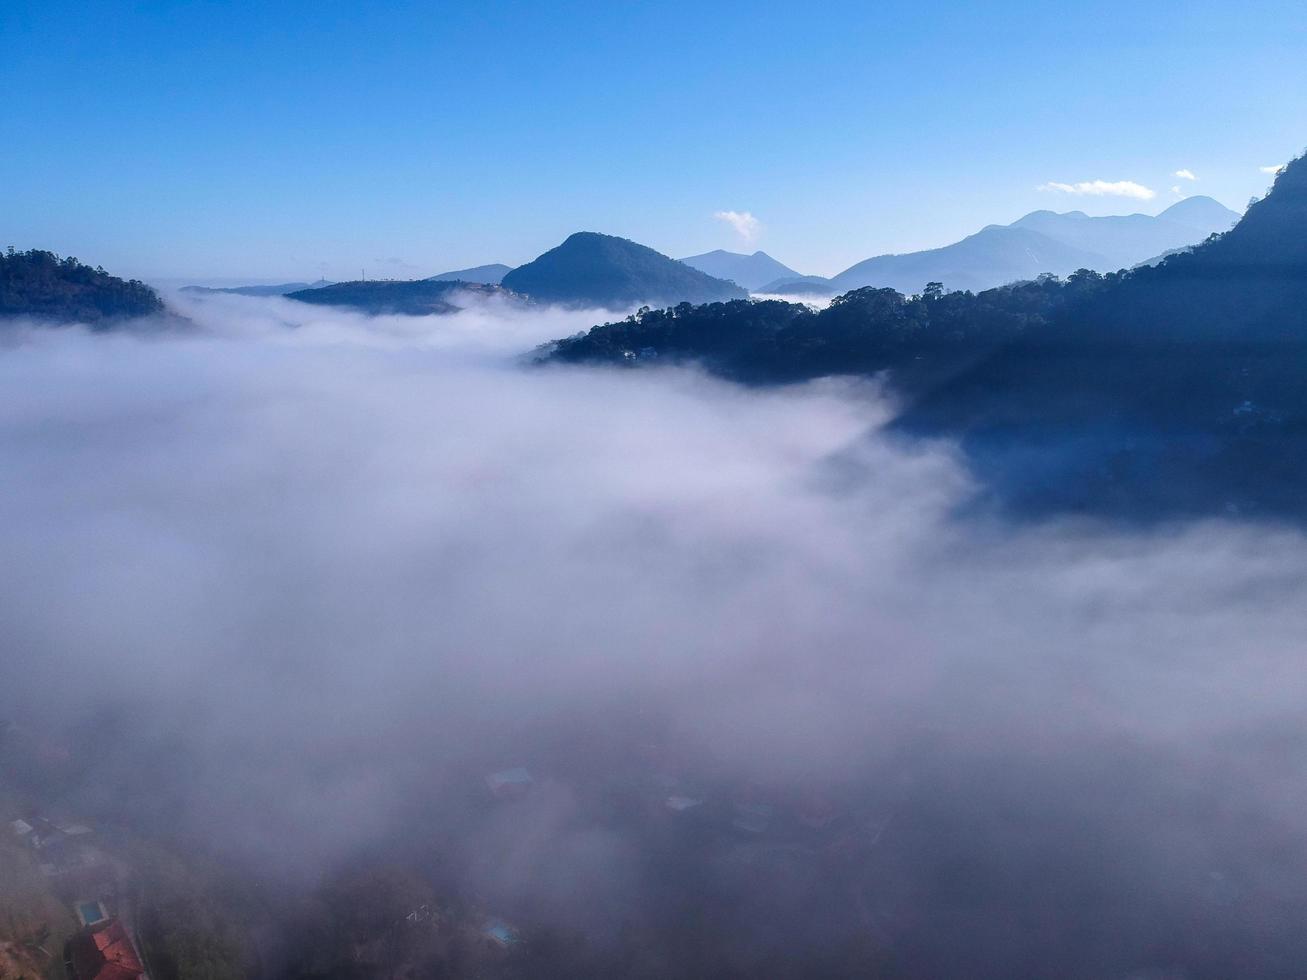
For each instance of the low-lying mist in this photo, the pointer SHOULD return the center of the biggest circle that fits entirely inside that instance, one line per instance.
(292, 583)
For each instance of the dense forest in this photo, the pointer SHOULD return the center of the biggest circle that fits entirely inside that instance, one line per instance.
(1164, 389)
(41, 284)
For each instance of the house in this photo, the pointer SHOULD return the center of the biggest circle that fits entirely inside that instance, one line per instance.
(103, 951)
(509, 783)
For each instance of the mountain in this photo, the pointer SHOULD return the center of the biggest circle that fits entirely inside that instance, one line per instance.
(749, 271)
(1165, 390)
(44, 286)
(796, 286)
(590, 269)
(488, 275)
(416, 297)
(991, 257)
(281, 289)
(1127, 240)
(1040, 242)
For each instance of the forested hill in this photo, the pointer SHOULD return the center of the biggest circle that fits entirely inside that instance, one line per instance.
(923, 338)
(42, 285)
(1176, 387)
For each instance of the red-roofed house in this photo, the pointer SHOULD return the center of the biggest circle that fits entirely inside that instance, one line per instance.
(104, 951)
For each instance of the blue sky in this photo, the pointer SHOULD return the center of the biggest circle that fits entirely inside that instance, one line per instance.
(288, 140)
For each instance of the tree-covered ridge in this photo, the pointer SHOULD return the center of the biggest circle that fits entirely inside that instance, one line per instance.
(37, 283)
(862, 332)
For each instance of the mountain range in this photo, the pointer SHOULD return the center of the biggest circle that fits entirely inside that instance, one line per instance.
(591, 269)
(1040, 242)
(750, 271)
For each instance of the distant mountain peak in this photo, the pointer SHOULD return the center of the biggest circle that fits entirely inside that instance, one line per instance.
(489, 275)
(1200, 209)
(591, 268)
(750, 271)
(1044, 241)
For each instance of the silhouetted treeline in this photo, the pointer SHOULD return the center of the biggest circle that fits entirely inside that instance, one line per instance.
(862, 332)
(41, 284)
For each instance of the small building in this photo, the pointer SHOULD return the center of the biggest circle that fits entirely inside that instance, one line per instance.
(509, 783)
(104, 951)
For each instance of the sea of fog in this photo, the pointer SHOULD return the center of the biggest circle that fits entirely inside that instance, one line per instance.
(302, 577)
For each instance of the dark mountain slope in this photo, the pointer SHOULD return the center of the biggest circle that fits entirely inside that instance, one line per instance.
(1168, 389)
(1179, 386)
(590, 269)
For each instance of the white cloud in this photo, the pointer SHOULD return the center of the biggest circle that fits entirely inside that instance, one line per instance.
(1273, 169)
(1102, 188)
(744, 223)
(1185, 174)
(1176, 190)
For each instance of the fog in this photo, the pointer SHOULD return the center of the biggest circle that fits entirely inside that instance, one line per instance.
(296, 579)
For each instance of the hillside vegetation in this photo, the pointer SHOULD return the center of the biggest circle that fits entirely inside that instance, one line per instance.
(43, 285)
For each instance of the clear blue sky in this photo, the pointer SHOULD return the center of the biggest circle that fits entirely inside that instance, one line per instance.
(285, 139)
